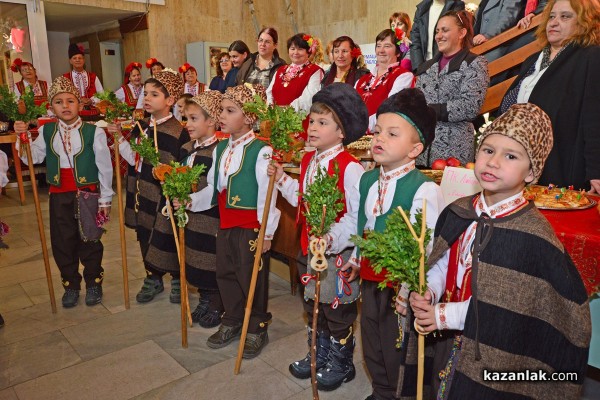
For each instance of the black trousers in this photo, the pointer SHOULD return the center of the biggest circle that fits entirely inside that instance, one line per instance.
(235, 259)
(153, 272)
(67, 247)
(379, 331)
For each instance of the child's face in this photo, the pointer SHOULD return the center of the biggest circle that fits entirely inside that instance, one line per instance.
(66, 107)
(198, 125)
(180, 104)
(323, 132)
(233, 120)
(502, 168)
(155, 101)
(395, 142)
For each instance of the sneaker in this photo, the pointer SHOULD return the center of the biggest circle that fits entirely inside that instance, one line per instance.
(210, 319)
(224, 336)
(150, 288)
(175, 295)
(255, 342)
(70, 298)
(93, 295)
(201, 309)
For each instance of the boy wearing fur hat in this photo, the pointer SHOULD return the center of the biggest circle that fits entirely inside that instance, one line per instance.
(77, 158)
(87, 83)
(499, 312)
(338, 117)
(405, 127)
(145, 200)
(237, 183)
(202, 114)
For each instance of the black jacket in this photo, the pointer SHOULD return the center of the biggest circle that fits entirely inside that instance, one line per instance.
(569, 92)
(419, 34)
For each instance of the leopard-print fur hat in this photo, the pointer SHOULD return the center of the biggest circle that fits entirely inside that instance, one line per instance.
(210, 102)
(172, 81)
(243, 94)
(531, 127)
(62, 85)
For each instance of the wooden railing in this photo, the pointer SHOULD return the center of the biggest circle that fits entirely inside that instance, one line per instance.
(495, 93)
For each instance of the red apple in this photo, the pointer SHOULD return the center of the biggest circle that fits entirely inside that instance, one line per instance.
(439, 164)
(452, 162)
(470, 165)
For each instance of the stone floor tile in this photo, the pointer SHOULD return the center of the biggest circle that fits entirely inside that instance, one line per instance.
(8, 394)
(13, 298)
(120, 375)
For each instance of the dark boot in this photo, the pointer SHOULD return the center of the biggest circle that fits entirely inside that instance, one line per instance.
(301, 369)
(214, 309)
(339, 368)
(93, 295)
(200, 310)
(151, 288)
(70, 298)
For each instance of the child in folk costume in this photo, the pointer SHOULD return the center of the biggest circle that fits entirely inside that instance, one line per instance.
(77, 159)
(404, 128)
(190, 77)
(154, 66)
(502, 290)
(338, 117)
(87, 83)
(133, 87)
(145, 200)
(237, 182)
(202, 114)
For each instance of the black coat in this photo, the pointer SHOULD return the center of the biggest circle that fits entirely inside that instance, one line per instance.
(419, 35)
(569, 92)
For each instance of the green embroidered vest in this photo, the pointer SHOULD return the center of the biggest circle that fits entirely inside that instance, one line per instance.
(406, 187)
(84, 162)
(242, 186)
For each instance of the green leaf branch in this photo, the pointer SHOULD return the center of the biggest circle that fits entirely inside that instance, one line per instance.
(178, 184)
(116, 108)
(9, 104)
(322, 192)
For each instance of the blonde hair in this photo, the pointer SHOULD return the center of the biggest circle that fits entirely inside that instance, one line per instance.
(318, 56)
(587, 32)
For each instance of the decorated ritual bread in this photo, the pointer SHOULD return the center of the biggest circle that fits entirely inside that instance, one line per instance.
(553, 197)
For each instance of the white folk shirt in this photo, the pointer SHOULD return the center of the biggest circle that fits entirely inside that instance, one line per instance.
(189, 160)
(202, 200)
(80, 80)
(37, 90)
(194, 89)
(304, 102)
(455, 313)
(101, 154)
(127, 152)
(340, 232)
(137, 92)
(429, 191)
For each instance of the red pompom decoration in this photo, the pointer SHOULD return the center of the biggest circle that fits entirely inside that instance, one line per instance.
(150, 62)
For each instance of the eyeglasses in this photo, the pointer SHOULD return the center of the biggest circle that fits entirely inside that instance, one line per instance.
(267, 42)
(225, 60)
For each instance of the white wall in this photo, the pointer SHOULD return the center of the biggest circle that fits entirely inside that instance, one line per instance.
(112, 65)
(58, 46)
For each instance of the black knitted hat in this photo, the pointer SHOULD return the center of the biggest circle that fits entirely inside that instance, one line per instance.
(347, 104)
(412, 103)
(75, 49)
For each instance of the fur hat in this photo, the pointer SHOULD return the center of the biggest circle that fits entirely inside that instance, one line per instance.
(531, 127)
(411, 105)
(243, 94)
(349, 107)
(75, 49)
(210, 101)
(171, 80)
(62, 85)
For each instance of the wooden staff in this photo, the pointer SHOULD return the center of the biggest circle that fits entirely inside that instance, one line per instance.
(313, 338)
(257, 259)
(122, 226)
(421, 343)
(40, 221)
(184, 292)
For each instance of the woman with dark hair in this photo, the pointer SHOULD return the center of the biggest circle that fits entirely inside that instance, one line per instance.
(260, 67)
(224, 65)
(296, 84)
(389, 77)
(238, 53)
(133, 86)
(562, 80)
(345, 63)
(454, 82)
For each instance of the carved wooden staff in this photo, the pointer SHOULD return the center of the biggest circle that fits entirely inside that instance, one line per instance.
(121, 225)
(257, 259)
(40, 221)
(319, 245)
(421, 343)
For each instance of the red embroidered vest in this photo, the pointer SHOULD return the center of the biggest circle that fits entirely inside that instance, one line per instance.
(38, 100)
(129, 98)
(343, 159)
(90, 91)
(373, 98)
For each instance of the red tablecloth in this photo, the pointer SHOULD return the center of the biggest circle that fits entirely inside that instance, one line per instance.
(110, 140)
(579, 231)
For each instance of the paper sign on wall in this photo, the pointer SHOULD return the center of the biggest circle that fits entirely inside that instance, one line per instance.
(457, 183)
